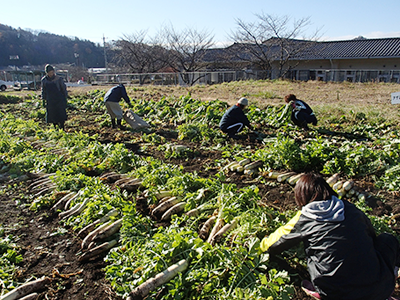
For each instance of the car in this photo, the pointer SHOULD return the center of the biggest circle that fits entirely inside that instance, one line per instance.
(3, 85)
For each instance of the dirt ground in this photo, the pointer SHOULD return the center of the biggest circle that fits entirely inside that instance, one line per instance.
(51, 250)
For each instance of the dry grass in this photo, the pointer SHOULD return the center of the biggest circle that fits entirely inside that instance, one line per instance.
(329, 100)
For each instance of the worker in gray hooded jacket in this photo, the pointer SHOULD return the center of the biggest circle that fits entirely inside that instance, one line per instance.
(345, 258)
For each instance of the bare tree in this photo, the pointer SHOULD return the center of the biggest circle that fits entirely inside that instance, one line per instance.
(139, 54)
(186, 50)
(271, 39)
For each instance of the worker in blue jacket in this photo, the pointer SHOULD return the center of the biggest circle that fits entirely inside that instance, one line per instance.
(346, 260)
(234, 119)
(111, 100)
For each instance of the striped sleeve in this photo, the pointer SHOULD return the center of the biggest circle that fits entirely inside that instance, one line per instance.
(282, 231)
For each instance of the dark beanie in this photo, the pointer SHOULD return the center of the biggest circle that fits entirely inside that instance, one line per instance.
(48, 68)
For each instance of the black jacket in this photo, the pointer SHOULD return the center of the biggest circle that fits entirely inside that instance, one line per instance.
(232, 116)
(339, 242)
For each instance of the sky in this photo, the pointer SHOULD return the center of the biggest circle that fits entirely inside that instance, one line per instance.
(93, 20)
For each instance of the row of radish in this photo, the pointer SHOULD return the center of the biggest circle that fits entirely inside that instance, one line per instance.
(344, 188)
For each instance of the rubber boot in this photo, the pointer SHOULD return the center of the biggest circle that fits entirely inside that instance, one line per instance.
(120, 125)
(113, 125)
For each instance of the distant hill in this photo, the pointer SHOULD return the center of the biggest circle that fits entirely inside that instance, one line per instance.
(39, 48)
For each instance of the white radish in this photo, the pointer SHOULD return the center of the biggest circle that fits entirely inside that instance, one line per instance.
(88, 239)
(333, 179)
(218, 225)
(77, 209)
(244, 162)
(84, 231)
(26, 289)
(338, 185)
(61, 202)
(72, 199)
(292, 180)
(32, 296)
(161, 278)
(284, 176)
(161, 208)
(205, 229)
(224, 230)
(98, 250)
(177, 208)
(253, 165)
(108, 231)
(348, 185)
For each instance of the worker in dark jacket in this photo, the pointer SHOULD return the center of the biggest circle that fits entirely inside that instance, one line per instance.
(54, 97)
(111, 100)
(302, 114)
(345, 258)
(234, 119)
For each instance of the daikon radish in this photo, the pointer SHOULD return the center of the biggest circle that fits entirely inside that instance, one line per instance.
(161, 278)
(177, 208)
(161, 208)
(244, 162)
(32, 296)
(338, 185)
(77, 209)
(62, 201)
(333, 179)
(224, 230)
(163, 194)
(80, 192)
(284, 176)
(234, 167)
(108, 231)
(205, 229)
(253, 165)
(292, 180)
(97, 250)
(348, 185)
(84, 231)
(218, 225)
(88, 239)
(26, 289)
(274, 175)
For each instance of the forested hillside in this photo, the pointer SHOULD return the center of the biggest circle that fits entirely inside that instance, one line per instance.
(37, 48)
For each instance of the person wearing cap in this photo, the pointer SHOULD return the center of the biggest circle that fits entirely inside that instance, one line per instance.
(54, 97)
(234, 119)
(111, 100)
(302, 114)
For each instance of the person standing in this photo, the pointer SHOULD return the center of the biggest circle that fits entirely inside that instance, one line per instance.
(111, 100)
(345, 258)
(302, 114)
(54, 97)
(234, 119)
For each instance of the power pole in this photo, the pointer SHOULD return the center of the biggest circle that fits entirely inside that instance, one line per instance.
(105, 56)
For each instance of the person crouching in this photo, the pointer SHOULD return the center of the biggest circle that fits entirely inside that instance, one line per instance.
(234, 119)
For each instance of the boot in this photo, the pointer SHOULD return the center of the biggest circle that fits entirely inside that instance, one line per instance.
(120, 125)
(113, 125)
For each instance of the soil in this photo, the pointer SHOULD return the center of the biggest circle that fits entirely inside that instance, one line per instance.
(51, 250)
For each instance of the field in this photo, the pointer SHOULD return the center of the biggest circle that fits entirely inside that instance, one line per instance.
(55, 183)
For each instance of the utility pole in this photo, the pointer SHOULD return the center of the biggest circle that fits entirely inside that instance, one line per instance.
(105, 56)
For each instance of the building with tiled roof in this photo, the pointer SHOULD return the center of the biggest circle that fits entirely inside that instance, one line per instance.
(356, 60)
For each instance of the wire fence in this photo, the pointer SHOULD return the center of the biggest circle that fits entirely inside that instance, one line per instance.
(205, 78)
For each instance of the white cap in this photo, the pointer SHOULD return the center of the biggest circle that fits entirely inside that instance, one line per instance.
(243, 101)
